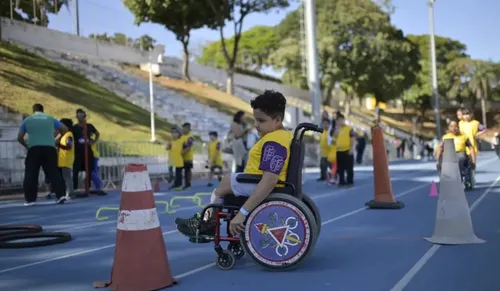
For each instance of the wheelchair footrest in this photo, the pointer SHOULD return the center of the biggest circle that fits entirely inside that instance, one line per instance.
(201, 239)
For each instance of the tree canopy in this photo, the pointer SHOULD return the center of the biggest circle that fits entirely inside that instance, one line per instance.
(31, 11)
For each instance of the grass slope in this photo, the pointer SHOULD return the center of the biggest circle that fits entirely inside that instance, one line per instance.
(26, 79)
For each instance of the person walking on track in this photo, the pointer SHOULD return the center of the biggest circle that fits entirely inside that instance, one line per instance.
(42, 152)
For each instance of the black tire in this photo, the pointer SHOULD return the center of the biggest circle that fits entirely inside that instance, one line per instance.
(308, 221)
(315, 210)
(8, 241)
(226, 260)
(236, 249)
(19, 229)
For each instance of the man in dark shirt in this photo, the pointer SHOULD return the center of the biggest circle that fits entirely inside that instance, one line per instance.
(82, 141)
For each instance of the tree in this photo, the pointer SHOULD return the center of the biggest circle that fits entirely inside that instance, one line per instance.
(256, 44)
(178, 16)
(449, 76)
(145, 42)
(31, 11)
(236, 11)
(358, 49)
(483, 79)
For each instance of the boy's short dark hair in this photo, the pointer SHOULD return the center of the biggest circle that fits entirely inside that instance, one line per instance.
(213, 133)
(67, 122)
(340, 115)
(37, 107)
(466, 111)
(272, 103)
(187, 124)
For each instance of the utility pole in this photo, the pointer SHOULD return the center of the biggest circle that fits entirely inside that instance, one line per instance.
(312, 59)
(435, 92)
(76, 18)
(151, 98)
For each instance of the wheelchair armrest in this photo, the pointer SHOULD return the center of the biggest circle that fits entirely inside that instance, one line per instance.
(248, 178)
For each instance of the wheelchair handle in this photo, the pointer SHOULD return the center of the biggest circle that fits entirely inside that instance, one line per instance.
(306, 126)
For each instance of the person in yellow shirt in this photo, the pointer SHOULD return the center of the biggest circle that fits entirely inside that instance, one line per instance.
(345, 141)
(324, 148)
(268, 157)
(471, 128)
(187, 153)
(214, 158)
(462, 144)
(175, 158)
(66, 156)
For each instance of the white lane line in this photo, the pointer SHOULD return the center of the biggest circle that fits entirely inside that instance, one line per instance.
(428, 255)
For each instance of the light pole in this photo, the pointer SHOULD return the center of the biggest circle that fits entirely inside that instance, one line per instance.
(151, 99)
(312, 59)
(435, 92)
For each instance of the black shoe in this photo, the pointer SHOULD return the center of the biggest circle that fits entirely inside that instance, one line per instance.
(210, 185)
(186, 187)
(320, 179)
(192, 220)
(191, 230)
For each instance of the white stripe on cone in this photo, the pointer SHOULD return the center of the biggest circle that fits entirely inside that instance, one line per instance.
(137, 220)
(136, 182)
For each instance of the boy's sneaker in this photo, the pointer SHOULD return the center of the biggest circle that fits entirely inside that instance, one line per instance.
(191, 229)
(50, 195)
(29, 203)
(61, 200)
(192, 220)
(210, 185)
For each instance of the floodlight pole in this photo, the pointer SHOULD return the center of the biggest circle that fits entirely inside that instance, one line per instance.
(435, 92)
(312, 59)
(151, 99)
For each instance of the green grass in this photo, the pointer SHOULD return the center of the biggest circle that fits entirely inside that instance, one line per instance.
(26, 79)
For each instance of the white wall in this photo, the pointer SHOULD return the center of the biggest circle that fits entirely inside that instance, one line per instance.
(42, 37)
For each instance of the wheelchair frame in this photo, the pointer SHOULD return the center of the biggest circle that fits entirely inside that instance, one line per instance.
(232, 204)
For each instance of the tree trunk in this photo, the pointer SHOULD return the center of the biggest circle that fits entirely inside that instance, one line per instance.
(405, 105)
(185, 63)
(229, 79)
(483, 111)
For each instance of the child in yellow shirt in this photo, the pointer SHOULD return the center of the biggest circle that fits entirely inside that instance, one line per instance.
(175, 158)
(66, 156)
(214, 158)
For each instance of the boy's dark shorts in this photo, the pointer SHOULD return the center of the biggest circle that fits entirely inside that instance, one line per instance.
(188, 165)
(216, 168)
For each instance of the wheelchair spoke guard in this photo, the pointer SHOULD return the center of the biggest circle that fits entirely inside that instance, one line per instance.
(280, 233)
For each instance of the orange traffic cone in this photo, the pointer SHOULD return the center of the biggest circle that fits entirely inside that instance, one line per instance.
(157, 186)
(140, 261)
(384, 199)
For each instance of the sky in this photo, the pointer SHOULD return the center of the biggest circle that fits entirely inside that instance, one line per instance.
(475, 23)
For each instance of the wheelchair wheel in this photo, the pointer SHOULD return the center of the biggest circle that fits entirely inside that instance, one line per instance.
(314, 209)
(226, 260)
(280, 233)
(236, 249)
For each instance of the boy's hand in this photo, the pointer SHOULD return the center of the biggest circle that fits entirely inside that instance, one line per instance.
(237, 224)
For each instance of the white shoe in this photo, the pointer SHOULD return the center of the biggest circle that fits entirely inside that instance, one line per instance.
(68, 198)
(61, 200)
(29, 203)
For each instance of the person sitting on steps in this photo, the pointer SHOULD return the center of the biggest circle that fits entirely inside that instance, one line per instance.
(268, 157)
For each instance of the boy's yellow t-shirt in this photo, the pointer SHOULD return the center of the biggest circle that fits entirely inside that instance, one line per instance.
(214, 153)
(270, 154)
(344, 138)
(460, 140)
(470, 129)
(175, 155)
(95, 151)
(188, 140)
(66, 157)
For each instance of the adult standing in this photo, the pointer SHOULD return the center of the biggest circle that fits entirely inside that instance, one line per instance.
(82, 141)
(360, 148)
(238, 134)
(42, 152)
(346, 140)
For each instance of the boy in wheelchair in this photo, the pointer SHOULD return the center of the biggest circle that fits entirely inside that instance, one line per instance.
(466, 163)
(269, 157)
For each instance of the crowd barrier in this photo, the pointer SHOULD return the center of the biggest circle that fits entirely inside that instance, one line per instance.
(113, 156)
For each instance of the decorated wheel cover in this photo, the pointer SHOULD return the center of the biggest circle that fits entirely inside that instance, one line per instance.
(280, 232)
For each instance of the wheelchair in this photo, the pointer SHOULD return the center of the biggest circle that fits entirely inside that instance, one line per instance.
(282, 231)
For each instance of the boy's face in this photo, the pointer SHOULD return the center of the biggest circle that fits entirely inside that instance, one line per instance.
(453, 127)
(176, 134)
(213, 137)
(459, 115)
(186, 129)
(340, 121)
(467, 117)
(265, 123)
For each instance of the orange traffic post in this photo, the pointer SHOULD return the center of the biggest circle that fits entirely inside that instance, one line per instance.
(384, 198)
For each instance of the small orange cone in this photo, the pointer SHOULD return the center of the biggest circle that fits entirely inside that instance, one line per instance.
(140, 261)
(434, 190)
(384, 199)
